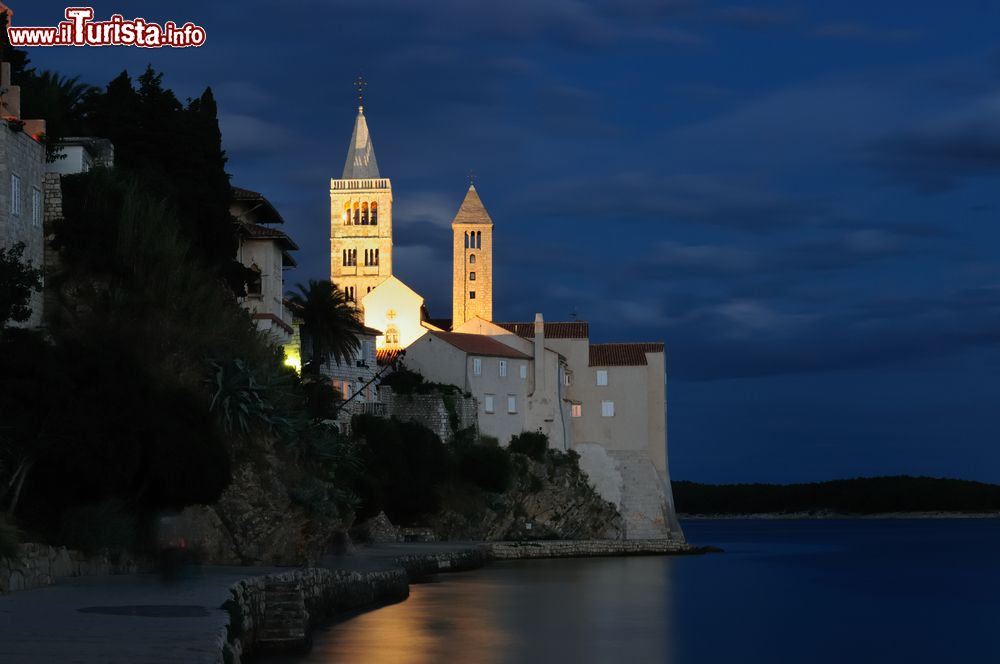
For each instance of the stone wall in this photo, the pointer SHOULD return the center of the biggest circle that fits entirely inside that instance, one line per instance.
(431, 410)
(586, 548)
(325, 591)
(39, 565)
(24, 157)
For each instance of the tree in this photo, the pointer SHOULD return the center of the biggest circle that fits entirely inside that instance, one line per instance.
(329, 320)
(17, 280)
(61, 101)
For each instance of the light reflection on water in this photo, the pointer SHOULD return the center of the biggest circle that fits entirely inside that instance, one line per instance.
(822, 592)
(542, 611)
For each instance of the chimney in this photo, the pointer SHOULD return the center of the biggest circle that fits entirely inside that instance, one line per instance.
(539, 355)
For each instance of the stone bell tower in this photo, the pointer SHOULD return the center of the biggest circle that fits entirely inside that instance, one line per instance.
(360, 217)
(472, 262)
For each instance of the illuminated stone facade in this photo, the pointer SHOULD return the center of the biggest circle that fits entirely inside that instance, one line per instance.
(360, 219)
(472, 261)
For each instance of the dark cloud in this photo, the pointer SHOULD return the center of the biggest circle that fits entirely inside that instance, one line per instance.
(741, 339)
(754, 18)
(937, 159)
(861, 32)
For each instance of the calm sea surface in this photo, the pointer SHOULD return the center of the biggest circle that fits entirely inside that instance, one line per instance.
(784, 591)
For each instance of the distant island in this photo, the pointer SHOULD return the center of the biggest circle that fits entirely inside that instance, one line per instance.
(864, 496)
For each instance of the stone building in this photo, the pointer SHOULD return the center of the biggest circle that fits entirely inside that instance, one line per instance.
(472, 261)
(267, 252)
(22, 182)
(360, 219)
(607, 402)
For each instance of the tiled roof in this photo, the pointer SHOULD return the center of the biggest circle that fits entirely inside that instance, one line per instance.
(385, 356)
(622, 355)
(472, 210)
(258, 205)
(567, 330)
(477, 344)
(258, 232)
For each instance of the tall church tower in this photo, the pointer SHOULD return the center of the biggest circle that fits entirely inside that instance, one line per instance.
(472, 266)
(360, 218)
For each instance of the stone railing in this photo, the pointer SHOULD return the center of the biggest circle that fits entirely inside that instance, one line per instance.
(368, 183)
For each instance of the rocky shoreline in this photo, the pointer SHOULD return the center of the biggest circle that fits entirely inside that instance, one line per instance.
(324, 593)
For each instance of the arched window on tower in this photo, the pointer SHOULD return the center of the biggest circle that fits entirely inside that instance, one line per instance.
(376, 257)
(254, 284)
(479, 239)
(357, 214)
(364, 214)
(466, 239)
(347, 214)
(472, 259)
(374, 213)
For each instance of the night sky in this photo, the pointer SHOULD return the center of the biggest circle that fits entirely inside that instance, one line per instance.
(800, 198)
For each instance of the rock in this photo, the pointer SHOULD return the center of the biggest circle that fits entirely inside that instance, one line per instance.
(379, 530)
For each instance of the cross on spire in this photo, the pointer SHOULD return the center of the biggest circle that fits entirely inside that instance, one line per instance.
(360, 84)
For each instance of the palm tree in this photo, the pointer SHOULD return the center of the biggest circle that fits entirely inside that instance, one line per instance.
(329, 319)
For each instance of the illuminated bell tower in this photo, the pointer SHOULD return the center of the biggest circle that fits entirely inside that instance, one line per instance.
(472, 262)
(360, 217)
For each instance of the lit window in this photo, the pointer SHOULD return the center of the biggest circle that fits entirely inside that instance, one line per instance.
(15, 194)
(511, 403)
(477, 366)
(391, 335)
(576, 410)
(472, 259)
(472, 295)
(607, 409)
(602, 377)
(472, 276)
(503, 368)
(488, 403)
(524, 371)
(36, 208)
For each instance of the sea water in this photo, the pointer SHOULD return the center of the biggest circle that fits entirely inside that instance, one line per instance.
(783, 591)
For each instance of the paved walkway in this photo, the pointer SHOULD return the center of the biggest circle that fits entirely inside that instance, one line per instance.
(47, 624)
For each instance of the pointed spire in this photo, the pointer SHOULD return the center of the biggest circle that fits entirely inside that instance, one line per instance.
(360, 153)
(472, 210)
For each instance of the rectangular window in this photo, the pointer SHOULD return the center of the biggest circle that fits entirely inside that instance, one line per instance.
(15, 194)
(36, 207)
(566, 378)
(477, 366)
(511, 403)
(607, 409)
(602, 377)
(503, 368)
(524, 371)
(577, 410)
(472, 276)
(488, 404)
(472, 295)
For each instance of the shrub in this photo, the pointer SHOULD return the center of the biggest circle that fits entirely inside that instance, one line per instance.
(531, 444)
(489, 468)
(403, 467)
